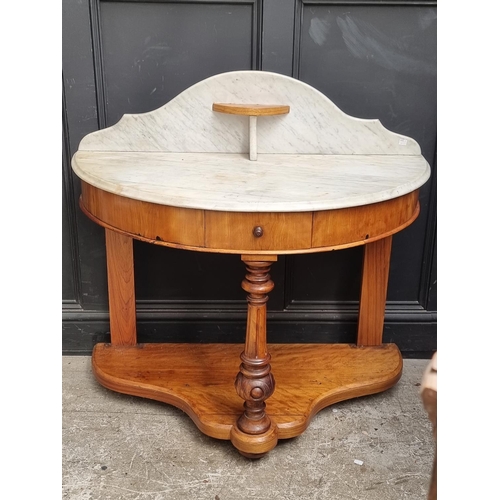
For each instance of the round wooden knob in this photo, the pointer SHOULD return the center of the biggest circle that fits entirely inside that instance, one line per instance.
(258, 231)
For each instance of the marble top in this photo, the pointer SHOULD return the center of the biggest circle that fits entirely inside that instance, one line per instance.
(314, 158)
(225, 181)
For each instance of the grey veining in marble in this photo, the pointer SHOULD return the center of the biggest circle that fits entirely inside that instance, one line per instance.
(284, 183)
(315, 125)
(314, 158)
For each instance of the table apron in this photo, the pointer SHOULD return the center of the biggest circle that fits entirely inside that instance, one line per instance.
(249, 232)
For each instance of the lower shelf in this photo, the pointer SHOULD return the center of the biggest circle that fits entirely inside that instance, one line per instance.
(199, 379)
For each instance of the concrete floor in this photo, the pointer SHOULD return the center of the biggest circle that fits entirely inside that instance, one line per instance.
(122, 447)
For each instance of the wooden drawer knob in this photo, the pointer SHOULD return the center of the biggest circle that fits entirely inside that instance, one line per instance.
(258, 231)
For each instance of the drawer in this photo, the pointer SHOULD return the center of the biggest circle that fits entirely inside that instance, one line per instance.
(258, 231)
(159, 223)
(357, 225)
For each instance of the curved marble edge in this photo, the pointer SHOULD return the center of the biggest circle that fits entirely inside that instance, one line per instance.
(315, 125)
(276, 183)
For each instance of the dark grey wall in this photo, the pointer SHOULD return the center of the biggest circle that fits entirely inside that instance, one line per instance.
(373, 59)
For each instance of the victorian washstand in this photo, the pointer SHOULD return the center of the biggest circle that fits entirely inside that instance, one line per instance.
(261, 165)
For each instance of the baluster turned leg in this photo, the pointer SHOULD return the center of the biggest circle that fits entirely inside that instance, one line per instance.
(255, 433)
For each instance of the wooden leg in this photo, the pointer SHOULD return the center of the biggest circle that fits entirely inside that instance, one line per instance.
(376, 262)
(121, 288)
(255, 433)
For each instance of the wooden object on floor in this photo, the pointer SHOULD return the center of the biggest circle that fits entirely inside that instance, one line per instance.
(179, 177)
(428, 392)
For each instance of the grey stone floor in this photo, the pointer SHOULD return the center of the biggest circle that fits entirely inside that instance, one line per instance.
(121, 447)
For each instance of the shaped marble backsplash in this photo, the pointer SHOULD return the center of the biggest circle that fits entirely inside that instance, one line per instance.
(315, 125)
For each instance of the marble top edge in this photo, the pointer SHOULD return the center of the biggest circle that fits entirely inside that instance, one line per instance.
(273, 207)
(269, 195)
(242, 156)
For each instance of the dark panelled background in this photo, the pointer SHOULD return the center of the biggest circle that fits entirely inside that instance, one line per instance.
(373, 59)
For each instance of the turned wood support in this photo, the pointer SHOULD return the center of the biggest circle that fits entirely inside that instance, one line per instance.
(255, 383)
(252, 111)
(255, 433)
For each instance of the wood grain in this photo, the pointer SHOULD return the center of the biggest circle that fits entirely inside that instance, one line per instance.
(363, 223)
(232, 232)
(255, 433)
(375, 277)
(152, 221)
(281, 231)
(251, 109)
(121, 288)
(199, 379)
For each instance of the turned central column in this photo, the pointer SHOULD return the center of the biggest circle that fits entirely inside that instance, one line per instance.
(255, 433)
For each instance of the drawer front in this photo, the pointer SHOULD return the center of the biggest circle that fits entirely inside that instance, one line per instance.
(358, 225)
(160, 223)
(258, 231)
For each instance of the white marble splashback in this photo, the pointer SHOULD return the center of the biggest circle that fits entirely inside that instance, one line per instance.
(315, 125)
(276, 182)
